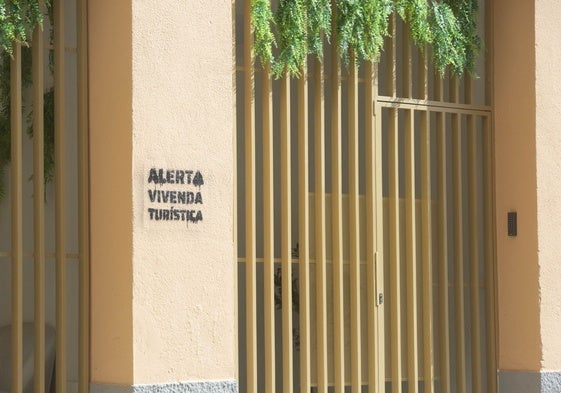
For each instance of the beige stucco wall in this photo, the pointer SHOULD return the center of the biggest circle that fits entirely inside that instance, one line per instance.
(111, 191)
(515, 176)
(548, 149)
(528, 142)
(161, 92)
(183, 275)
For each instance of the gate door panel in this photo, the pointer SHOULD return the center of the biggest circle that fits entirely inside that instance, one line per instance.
(364, 224)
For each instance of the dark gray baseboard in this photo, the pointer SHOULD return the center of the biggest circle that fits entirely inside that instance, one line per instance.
(228, 386)
(551, 381)
(529, 381)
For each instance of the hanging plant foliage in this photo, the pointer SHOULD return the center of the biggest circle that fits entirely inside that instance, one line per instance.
(318, 24)
(447, 41)
(301, 26)
(361, 27)
(17, 21)
(261, 20)
(449, 26)
(416, 14)
(291, 21)
(466, 12)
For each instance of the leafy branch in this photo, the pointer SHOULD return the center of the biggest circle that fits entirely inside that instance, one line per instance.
(261, 20)
(299, 28)
(292, 39)
(17, 21)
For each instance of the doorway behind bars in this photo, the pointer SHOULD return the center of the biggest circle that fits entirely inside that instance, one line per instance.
(44, 241)
(364, 224)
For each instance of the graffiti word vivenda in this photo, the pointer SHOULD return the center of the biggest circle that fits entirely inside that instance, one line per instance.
(174, 195)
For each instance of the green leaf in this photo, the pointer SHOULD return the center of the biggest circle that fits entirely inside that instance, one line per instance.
(466, 12)
(450, 26)
(319, 24)
(292, 26)
(17, 21)
(447, 40)
(362, 26)
(261, 20)
(416, 14)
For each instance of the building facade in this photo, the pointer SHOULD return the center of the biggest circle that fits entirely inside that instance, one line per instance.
(162, 296)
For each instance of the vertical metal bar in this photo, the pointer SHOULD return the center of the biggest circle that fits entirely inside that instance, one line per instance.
(411, 254)
(489, 253)
(354, 235)
(410, 222)
(406, 66)
(376, 378)
(286, 238)
(379, 258)
(394, 243)
(391, 71)
(426, 239)
(411, 249)
(371, 245)
(303, 232)
(458, 241)
(426, 233)
(489, 53)
(83, 200)
(473, 222)
(474, 259)
(488, 208)
(320, 240)
(394, 251)
(17, 219)
(423, 71)
(443, 243)
(337, 214)
(38, 209)
(60, 197)
(250, 229)
(268, 229)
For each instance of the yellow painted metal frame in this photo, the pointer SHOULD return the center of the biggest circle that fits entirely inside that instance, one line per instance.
(60, 255)
(17, 219)
(420, 250)
(83, 198)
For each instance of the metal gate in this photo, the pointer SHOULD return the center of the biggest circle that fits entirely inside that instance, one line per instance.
(365, 216)
(44, 254)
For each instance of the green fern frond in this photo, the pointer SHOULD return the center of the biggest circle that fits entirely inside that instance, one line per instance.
(17, 21)
(447, 40)
(261, 20)
(376, 21)
(319, 25)
(362, 26)
(416, 14)
(466, 12)
(450, 26)
(292, 27)
(348, 27)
